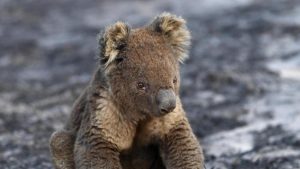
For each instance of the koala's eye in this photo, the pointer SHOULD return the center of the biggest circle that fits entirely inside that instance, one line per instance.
(175, 80)
(141, 86)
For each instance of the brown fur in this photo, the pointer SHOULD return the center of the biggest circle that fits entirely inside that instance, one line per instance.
(114, 123)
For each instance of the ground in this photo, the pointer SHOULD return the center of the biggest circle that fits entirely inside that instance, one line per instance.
(240, 86)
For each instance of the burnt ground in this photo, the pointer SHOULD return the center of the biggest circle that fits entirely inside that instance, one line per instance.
(240, 86)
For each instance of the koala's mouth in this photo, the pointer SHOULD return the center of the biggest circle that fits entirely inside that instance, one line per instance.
(156, 112)
(164, 112)
(160, 113)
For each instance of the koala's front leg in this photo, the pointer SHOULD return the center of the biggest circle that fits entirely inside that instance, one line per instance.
(96, 153)
(180, 148)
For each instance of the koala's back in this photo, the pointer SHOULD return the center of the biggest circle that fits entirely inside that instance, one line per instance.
(80, 106)
(77, 112)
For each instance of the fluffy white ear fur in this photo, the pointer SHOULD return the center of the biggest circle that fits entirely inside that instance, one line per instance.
(113, 39)
(175, 31)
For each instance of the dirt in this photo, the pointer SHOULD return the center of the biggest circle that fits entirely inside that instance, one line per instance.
(240, 86)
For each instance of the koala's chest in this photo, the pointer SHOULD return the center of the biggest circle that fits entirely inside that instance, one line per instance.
(153, 130)
(141, 136)
(128, 136)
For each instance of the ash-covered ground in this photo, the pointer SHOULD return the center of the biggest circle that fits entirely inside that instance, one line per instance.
(240, 87)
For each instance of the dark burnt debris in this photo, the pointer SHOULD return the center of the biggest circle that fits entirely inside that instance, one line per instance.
(240, 85)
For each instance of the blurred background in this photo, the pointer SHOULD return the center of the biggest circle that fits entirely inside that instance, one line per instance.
(240, 86)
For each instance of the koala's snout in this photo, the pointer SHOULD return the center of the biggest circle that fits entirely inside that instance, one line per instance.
(166, 100)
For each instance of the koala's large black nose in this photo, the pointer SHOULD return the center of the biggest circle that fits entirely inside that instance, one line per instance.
(166, 100)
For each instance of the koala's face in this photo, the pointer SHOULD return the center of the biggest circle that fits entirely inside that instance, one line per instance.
(144, 72)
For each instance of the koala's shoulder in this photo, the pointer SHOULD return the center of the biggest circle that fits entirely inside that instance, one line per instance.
(109, 124)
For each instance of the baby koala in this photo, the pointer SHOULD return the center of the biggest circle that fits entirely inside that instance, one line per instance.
(130, 115)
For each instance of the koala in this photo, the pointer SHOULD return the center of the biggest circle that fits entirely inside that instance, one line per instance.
(130, 115)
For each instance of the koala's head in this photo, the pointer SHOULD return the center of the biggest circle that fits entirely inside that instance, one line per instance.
(142, 65)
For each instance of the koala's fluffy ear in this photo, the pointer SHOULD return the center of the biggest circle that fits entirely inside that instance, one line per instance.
(112, 41)
(175, 31)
